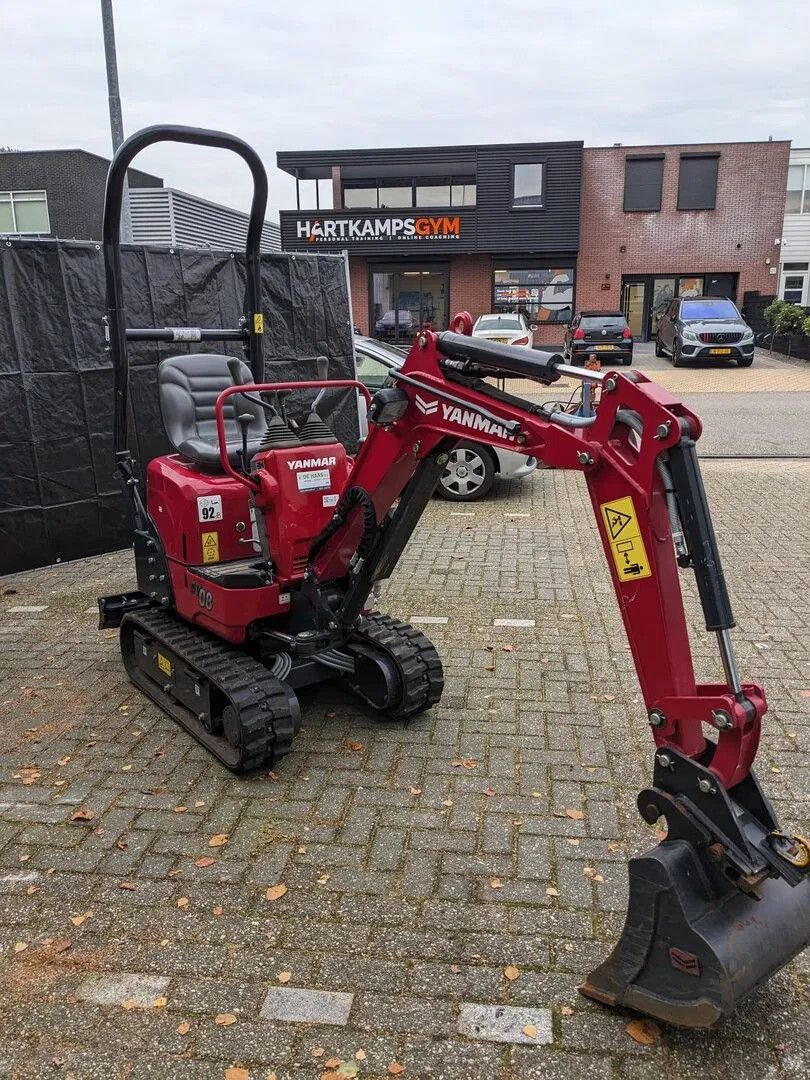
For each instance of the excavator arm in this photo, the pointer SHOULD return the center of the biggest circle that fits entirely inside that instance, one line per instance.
(725, 861)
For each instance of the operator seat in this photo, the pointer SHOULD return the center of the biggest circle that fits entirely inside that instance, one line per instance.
(188, 388)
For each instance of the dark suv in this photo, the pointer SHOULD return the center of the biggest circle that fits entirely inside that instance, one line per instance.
(704, 327)
(603, 334)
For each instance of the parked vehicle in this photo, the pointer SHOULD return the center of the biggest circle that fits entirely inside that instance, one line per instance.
(702, 328)
(511, 329)
(604, 334)
(472, 467)
(392, 321)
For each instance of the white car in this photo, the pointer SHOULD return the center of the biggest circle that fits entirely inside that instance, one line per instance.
(509, 329)
(472, 467)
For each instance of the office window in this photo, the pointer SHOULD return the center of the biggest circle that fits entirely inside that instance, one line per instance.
(642, 183)
(24, 212)
(434, 194)
(542, 294)
(462, 193)
(697, 183)
(395, 195)
(360, 198)
(527, 185)
(795, 279)
(797, 200)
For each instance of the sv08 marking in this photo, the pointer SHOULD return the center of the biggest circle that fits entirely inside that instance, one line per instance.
(205, 597)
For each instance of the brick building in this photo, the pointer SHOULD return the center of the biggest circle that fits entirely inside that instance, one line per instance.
(544, 228)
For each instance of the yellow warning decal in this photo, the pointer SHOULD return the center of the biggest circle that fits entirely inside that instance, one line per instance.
(258, 323)
(624, 537)
(164, 663)
(210, 547)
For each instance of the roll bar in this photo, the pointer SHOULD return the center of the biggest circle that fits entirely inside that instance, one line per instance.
(251, 326)
(531, 363)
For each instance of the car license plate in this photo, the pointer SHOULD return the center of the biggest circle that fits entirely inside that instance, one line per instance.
(719, 352)
(501, 340)
(601, 348)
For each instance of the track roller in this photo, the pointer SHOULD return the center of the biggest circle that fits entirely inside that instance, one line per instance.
(228, 701)
(397, 669)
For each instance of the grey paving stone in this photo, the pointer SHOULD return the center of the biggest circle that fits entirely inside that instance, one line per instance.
(114, 989)
(505, 1023)
(301, 1006)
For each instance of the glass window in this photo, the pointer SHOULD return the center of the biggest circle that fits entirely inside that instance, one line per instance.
(360, 198)
(708, 309)
(24, 212)
(795, 185)
(433, 195)
(603, 322)
(788, 266)
(542, 295)
(370, 370)
(462, 194)
(499, 322)
(527, 185)
(643, 178)
(396, 195)
(697, 182)
(690, 286)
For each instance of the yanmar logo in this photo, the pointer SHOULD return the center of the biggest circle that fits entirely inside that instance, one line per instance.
(394, 228)
(312, 463)
(464, 417)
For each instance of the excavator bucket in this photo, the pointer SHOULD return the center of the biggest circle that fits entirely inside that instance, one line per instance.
(693, 946)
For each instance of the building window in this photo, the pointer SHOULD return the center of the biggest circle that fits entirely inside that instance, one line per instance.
(462, 192)
(360, 198)
(543, 295)
(527, 185)
(425, 191)
(395, 195)
(798, 190)
(24, 212)
(795, 276)
(697, 183)
(643, 178)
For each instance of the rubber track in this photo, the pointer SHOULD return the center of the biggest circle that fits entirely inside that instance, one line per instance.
(261, 700)
(415, 656)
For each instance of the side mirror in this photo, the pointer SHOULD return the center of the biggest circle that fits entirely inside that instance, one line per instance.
(533, 326)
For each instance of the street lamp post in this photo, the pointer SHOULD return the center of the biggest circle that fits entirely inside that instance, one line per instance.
(116, 119)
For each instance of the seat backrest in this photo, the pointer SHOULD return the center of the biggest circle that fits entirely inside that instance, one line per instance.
(188, 388)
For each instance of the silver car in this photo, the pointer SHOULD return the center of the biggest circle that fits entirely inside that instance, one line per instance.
(472, 467)
(704, 328)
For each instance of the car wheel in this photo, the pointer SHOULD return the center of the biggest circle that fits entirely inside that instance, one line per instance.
(627, 361)
(658, 350)
(745, 361)
(677, 359)
(469, 473)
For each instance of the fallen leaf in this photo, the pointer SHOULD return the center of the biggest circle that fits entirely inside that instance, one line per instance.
(63, 760)
(204, 861)
(127, 886)
(566, 1010)
(20, 946)
(347, 1070)
(62, 945)
(469, 763)
(217, 911)
(489, 791)
(31, 890)
(511, 972)
(530, 1031)
(457, 763)
(537, 794)
(164, 942)
(395, 1068)
(507, 648)
(447, 802)
(415, 790)
(575, 815)
(613, 847)
(224, 1019)
(455, 968)
(360, 1054)
(489, 667)
(234, 1073)
(332, 1063)
(551, 891)
(181, 809)
(199, 803)
(275, 892)
(126, 768)
(495, 883)
(79, 920)
(608, 697)
(218, 840)
(646, 1032)
(351, 745)
(284, 977)
(182, 903)
(84, 814)
(160, 1002)
(183, 1028)
(122, 845)
(322, 880)
(302, 850)
(130, 1003)
(317, 1051)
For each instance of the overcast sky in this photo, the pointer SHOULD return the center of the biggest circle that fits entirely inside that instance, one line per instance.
(307, 75)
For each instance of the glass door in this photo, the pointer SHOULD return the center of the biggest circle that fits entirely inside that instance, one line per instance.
(406, 301)
(663, 292)
(634, 307)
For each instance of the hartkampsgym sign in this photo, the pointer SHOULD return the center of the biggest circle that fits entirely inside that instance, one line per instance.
(316, 231)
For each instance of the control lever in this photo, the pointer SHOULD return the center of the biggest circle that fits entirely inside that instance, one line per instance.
(244, 420)
(235, 368)
(322, 364)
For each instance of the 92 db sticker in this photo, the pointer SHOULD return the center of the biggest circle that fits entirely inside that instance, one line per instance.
(209, 508)
(624, 538)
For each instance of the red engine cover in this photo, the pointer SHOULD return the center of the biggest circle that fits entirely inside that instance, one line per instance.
(299, 489)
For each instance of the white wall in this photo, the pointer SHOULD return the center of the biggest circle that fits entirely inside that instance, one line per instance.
(796, 234)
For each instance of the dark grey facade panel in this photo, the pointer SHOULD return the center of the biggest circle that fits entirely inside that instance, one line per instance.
(643, 178)
(697, 182)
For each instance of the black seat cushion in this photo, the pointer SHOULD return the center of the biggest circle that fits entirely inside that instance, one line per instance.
(189, 387)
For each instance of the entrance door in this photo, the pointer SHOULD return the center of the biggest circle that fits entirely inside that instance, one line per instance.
(721, 285)
(406, 301)
(634, 307)
(663, 292)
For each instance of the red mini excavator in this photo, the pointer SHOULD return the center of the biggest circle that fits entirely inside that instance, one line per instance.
(260, 541)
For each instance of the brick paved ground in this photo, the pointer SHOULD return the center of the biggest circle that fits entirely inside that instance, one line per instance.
(387, 850)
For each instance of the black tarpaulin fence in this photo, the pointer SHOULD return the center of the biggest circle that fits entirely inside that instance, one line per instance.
(59, 498)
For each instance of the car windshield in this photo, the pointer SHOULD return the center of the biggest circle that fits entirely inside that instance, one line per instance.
(498, 322)
(708, 309)
(603, 322)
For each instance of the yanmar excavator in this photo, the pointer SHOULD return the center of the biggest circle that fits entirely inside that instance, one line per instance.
(260, 541)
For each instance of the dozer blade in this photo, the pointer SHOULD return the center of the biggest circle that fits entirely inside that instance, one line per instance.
(694, 945)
